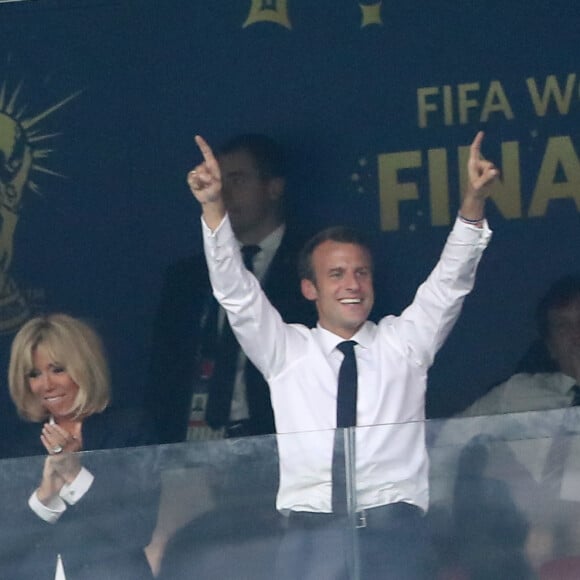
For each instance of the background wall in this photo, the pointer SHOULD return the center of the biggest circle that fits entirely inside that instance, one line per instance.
(375, 102)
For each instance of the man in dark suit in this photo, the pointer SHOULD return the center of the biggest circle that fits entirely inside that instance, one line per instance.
(191, 384)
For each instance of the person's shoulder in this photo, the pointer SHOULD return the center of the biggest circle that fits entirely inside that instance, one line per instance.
(119, 426)
(188, 265)
(185, 274)
(20, 438)
(520, 392)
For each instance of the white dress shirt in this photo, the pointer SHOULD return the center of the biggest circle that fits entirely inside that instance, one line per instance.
(525, 392)
(70, 494)
(301, 367)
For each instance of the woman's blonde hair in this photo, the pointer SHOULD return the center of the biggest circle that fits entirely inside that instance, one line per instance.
(71, 343)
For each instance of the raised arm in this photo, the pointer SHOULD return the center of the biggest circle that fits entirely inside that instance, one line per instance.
(205, 182)
(481, 174)
(257, 325)
(426, 323)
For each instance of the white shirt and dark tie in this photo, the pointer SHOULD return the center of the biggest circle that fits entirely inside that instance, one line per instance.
(302, 365)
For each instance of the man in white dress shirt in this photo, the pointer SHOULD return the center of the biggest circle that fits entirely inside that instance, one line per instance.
(302, 365)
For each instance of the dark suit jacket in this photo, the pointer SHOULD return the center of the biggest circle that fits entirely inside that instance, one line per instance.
(104, 534)
(177, 335)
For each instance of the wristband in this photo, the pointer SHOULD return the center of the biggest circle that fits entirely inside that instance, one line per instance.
(468, 221)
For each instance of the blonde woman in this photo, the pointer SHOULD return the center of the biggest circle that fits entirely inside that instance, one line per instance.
(59, 377)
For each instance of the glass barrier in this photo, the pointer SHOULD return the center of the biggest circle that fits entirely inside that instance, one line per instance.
(504, 503)
(505, 494)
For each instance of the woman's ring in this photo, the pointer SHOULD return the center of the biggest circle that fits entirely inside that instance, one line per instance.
(57, 449)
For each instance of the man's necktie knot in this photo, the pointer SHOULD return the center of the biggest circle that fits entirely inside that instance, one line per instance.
(248, 254)
(346, 347)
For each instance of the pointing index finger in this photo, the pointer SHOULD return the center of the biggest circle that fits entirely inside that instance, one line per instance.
(205, 149)
(475, 148)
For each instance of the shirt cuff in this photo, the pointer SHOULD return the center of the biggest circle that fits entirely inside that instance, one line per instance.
(72, 492)
(49, 513)
(468, 232)
(207, 231)
(218, 243)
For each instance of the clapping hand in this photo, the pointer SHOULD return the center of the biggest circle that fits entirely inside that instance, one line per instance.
(62, 465)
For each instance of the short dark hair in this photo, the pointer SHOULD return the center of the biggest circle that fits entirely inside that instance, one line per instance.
(268, 155)
(340, 234)
(560, 294)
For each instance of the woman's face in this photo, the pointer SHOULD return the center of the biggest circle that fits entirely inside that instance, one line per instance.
(51, 383)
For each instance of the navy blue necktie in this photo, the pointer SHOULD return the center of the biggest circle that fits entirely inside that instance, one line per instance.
(249, 252)
(222, 382)
(345, 417)
(347, 386)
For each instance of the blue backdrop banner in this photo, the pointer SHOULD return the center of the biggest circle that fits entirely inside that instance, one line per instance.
(376, 102)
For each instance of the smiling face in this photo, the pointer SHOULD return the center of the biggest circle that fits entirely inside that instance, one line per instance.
(342, 289)
(50, 382)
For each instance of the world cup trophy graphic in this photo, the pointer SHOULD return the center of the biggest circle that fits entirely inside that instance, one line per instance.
(15, 164)
(20, 156)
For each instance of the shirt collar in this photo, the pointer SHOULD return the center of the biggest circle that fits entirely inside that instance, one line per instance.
(329, 340)
(268, 246)
(272, 241)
